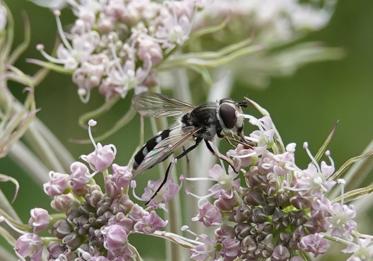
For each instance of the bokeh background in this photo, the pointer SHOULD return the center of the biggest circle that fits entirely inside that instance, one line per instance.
(304, 106)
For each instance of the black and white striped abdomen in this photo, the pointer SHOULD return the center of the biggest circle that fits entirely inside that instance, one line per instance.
(149, 146)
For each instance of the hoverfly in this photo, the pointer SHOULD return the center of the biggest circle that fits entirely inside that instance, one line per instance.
(195, 124)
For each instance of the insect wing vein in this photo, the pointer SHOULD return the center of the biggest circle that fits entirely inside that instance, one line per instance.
(157, 105)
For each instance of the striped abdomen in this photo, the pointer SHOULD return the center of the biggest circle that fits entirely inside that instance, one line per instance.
(149, 146)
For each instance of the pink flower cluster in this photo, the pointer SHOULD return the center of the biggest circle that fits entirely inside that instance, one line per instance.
(280, 212)
(92, 222)
(114, 45)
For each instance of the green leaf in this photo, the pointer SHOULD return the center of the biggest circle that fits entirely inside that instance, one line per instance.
(326, 143)
(209, 30)
(349, 163)
(355, 194)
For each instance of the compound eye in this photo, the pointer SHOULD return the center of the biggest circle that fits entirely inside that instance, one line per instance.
(227, 114)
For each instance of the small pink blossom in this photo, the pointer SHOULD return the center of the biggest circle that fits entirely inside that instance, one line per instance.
(208, 214)
(167, 193)
(57, 184)
(149, 223)
(62, 202)
(115, 237)
(29, 245)
(102, 157)
(314, 243)
(79, 177)
(39, 219)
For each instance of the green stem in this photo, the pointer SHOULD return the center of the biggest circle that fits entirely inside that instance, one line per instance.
(58, 148)
(29, 162)
(43, 149)
(83, 120)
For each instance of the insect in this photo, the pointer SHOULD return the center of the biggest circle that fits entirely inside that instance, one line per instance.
(195, 124)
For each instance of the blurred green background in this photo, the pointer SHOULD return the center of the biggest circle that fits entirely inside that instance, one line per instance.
(304, 106)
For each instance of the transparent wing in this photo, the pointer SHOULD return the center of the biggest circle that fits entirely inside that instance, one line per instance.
(158, 105)
(177, 138)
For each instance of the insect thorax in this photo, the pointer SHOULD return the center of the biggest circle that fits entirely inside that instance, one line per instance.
(204, 118)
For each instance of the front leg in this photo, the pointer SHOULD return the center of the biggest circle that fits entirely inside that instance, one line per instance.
(216, 152)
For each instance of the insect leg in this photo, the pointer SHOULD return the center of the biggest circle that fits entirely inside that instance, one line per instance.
(216, 152)
(168, 170)
(172, 163)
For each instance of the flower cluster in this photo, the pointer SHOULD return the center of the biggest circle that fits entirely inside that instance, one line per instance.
(269, 20)
(281, 212)
(114, 45)
(92, 222)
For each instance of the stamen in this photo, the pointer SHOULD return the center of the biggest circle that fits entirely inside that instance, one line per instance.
(57, 14)
(133, 185)
(305, 146)
(327, 153)
(50, 58)
(186, 228)
(198, 179)
(92, 123)
(114, 54)
(200, 197)
(250, 154)
(84, 95)
(342, 182)
(93, 174)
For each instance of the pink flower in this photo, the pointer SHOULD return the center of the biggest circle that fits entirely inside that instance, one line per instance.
(79, 177)
(204, 251)
(225, 182)
(208, 214)
(115, 237)
(102, 157)
(149, 223)
(314, 243)
(149, 50)
(119, 180)
(57, 185)
(29, 245)
(62, 202)
(122, 175)
(167, 193)
(39, 219)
